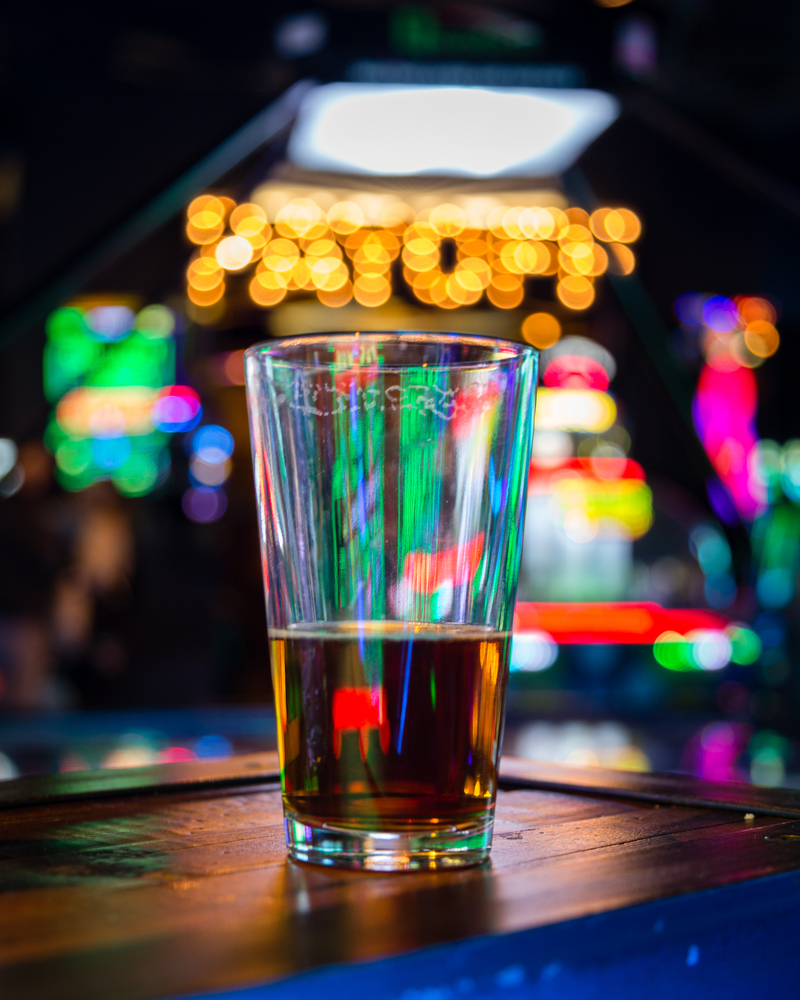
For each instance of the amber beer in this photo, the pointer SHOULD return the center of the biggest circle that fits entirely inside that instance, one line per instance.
(389, 726)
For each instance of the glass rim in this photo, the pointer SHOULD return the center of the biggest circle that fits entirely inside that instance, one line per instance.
(277, 350)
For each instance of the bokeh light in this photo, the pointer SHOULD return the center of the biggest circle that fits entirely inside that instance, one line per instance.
(234, 253)
(448, 220)
(761, 338)
(345, 217)
(249, 220)
(371, 290)
(505, 291)
(177, 408)
(302, 238)
(576, 292)
(267, 290)
(541, 329)
(532, 651)
(203, 504)
(212, 443)
(621, 259)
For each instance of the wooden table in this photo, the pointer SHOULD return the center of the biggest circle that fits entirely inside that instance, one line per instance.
(173, 881)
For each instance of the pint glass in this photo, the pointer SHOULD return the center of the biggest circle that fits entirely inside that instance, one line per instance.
(391, 476)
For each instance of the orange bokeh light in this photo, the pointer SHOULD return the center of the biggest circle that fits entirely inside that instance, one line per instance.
(505, 291)
(345, 217)
(477, 267)
(264, 294)
(336, 299)
(621, 259)
(248, 220)
(371, 290)
(301, 276)
(752, 308)
(204, 234)
(541, 329)
(281, 255)
(329, 274)
(447, 220)
(761, 338)
(575, 291)
(205, 296)
(207, 203)
(301, 217)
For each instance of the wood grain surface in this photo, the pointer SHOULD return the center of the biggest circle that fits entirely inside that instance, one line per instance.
(157, 895)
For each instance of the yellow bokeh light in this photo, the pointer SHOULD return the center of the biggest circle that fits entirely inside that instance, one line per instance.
(621, 259)
(532, 257)
(538, 223)
(205, 296)
(574, 232)
(206, 205)
(420, 254)
(579, 410)
(505, 291)
(761, 338)
(632, 227)
(324, 248)
(281, 255)
(248, 220)
(345, 217)
(329, 273)
(575, 291)
(512, 222)
(597, 223)
(508, 257)
(599, 260)
(259, 241)
(576, 258)
(477, 267)
(494, 221)
(301, 217)
(265, 294)
(204, 264)
(421, 230)
(273, 279)
(203, 234)
(301, 276)
(464, 287)
(371, 290)
(620, 225)
(336, 299)
(390, 243)
(203, 280)
(205, 220)
(541, 329)
(234, 253)
(371, 256)
(447, 220)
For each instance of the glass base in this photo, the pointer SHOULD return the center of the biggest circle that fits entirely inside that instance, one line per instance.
(324, 844)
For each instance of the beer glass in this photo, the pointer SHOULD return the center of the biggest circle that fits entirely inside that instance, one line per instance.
(391, 475)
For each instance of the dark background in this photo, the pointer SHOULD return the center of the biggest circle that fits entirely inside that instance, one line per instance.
(103, 106)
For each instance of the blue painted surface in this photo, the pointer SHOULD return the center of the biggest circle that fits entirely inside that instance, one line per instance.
(738, 941)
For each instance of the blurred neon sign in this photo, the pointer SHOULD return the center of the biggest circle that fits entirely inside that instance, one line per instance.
(109, 372)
